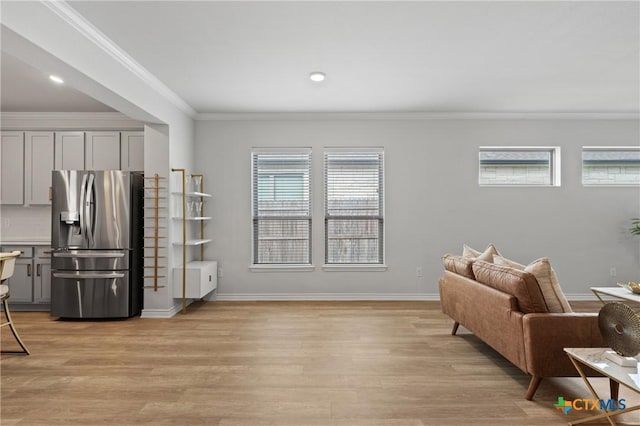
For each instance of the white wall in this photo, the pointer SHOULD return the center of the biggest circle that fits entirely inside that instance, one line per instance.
(433, 203)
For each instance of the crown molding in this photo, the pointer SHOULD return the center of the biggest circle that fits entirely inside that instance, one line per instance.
(91, 33)
(67, 120)
(337, 116)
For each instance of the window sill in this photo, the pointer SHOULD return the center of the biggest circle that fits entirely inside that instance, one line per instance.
(354, 268)
(611, 185)
(515, 185)
(281, 268)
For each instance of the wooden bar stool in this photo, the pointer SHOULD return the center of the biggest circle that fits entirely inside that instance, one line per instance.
(7, 265)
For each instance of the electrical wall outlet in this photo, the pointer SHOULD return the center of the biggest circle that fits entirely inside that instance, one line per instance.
(612, 271)
(419, 271)
(220, 272)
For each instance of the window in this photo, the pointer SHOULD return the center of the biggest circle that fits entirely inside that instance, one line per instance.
(533, 166)
(281, 206)
(618, 165)
(354, 207)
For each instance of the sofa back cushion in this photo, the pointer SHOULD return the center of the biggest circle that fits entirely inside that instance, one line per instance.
(547, 280)
(521, 284)
(458, 264)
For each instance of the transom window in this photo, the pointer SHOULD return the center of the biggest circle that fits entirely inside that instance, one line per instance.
(519, 166)
(354, 207)
(281, 206)
(617, 166)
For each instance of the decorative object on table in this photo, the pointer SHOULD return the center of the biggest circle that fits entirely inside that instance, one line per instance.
(620, 328)
(635, 226)
(632, 286)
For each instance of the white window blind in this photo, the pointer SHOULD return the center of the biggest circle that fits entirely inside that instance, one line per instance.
(354, 207)
(281, 205)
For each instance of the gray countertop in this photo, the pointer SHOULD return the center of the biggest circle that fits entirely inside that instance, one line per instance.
(26, 242)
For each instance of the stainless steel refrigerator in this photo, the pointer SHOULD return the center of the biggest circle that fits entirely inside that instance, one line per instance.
(97, 242)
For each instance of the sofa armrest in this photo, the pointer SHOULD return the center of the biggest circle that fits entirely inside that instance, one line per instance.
(546, 335)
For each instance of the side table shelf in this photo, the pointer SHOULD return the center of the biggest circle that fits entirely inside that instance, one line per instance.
(193, 194)
(193, 242)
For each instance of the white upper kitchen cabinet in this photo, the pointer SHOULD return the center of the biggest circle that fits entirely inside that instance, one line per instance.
(69, 151)
(132, 151)
(102, 151)
(38, 166)
(12, 168)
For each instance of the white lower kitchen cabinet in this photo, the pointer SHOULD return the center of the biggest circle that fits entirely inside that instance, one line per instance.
(42, 278)
(201, 279)
(30, 284)
(21, 282)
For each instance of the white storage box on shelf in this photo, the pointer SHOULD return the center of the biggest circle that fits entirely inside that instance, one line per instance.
(202, 279)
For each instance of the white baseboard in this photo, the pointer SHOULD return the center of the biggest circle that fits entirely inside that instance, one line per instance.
(326, 296)
(236, 297)
(161, 313)
(582, 297)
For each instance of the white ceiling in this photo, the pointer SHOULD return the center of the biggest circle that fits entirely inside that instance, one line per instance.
(391, 56)
(27, 89)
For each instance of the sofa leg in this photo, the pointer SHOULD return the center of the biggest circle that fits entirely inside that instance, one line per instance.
(455, 328)
(533, 387)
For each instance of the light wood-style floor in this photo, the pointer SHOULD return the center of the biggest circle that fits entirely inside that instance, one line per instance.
(272, 363)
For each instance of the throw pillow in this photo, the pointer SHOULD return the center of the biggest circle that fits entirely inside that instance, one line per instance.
(486, 255)
(469, 252)
(547, 281)
(503, 261)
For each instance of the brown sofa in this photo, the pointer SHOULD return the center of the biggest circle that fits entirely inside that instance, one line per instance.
(505, 308)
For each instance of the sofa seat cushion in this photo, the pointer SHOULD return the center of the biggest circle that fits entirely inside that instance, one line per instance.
(458, 264)
(520, 284)
(547, 280)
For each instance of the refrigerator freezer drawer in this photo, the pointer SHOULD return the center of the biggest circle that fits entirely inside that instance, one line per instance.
(90, 254)
(92, 294)
(88, 275)
(89, 260)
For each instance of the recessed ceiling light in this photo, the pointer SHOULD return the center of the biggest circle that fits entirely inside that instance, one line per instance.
(317, 76)
(56, 79)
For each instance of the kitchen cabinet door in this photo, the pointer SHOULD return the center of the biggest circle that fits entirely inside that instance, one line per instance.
(42, 278)
(12, 168)
(69, 151)
(21, 282)
(132, 151)
(102, 151)
(39, 163)
(42, 282)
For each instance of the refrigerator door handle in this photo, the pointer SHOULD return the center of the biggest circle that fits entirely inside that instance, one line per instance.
(102, 255)
(83, 190)
(88, 275)
(88, 210)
